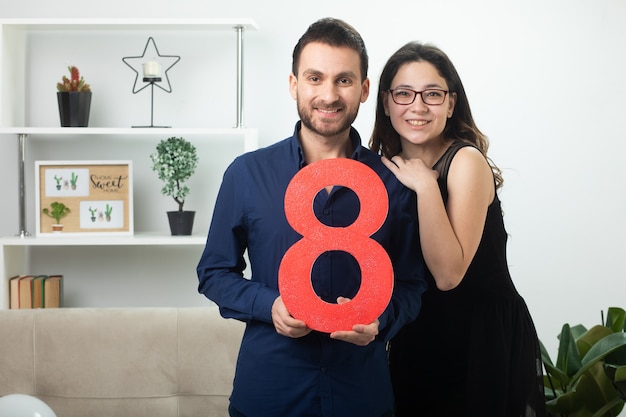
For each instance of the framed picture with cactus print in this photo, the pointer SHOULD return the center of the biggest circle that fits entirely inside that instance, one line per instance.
(84, 197)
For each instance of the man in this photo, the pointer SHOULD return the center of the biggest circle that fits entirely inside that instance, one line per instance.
(284, 367)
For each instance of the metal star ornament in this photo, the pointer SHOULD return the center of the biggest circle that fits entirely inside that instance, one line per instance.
(166, 61)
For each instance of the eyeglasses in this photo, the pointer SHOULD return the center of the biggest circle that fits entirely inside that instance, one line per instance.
(405, 96)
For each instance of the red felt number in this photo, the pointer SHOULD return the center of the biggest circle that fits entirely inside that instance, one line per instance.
(294, 274)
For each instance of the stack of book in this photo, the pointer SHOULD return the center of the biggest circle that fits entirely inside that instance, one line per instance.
(36, 291)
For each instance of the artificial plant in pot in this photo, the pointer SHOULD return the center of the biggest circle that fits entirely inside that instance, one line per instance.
(588, 378)
(175, 161)
(74, 98)
(56, 211)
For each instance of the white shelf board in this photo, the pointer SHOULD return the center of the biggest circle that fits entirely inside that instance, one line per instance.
(129, 24)
(250, 135)
(137, 131)
(139, 239)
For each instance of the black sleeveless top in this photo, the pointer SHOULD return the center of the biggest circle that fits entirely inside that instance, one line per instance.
(473, 350)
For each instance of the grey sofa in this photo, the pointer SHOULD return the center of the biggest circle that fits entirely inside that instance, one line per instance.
(134, 362)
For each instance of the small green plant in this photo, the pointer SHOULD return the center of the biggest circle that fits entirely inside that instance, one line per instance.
(74, 180)
(588, 378)
(93, 212)
(175, 161)
(58, 180)
(107, 212)
(57, 211)
(75, 83)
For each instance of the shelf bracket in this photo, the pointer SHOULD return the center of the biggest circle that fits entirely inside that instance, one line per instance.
(239, 30)
(22, 193)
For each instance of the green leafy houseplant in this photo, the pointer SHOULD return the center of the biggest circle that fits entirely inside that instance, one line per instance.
(589, 376)
(57, 211)
(175, 161)
(75, 83)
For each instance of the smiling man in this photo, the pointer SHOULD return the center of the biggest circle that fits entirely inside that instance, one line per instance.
(284, 367)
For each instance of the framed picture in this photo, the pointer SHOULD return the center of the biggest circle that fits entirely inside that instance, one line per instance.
(84, 197)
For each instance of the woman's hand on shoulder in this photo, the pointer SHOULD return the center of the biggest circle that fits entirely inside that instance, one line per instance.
(413, 173)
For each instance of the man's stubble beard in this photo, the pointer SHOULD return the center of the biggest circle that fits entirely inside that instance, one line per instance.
(332, 130)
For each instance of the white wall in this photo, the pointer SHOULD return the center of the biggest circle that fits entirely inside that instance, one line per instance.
(545, 80)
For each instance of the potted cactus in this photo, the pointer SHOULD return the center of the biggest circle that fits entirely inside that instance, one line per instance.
(175, 161)
(58, 181)
(56, 211)
(93, 212)
(74, 98)
(73, 180)
(107, 212)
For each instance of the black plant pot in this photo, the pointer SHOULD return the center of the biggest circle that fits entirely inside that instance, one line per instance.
(74, 108)
(181, 222)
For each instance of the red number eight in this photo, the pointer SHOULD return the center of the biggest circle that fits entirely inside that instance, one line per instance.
(294, 273)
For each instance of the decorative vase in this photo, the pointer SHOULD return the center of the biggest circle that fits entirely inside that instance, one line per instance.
(181, 222)
(74, 108)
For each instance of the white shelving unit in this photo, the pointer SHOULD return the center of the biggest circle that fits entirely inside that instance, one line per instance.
(19, 253)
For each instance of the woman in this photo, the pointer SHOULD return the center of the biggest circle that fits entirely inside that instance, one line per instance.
(473, 351)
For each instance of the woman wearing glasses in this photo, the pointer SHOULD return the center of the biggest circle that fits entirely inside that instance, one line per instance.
(473, 350)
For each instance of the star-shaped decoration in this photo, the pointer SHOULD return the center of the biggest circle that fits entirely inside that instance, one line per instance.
(166, 61)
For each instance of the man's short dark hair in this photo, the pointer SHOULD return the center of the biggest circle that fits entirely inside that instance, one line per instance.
(333, 32)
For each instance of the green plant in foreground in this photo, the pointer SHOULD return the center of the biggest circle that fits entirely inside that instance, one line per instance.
(57, 211)
(175, 161)
(589, 376)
